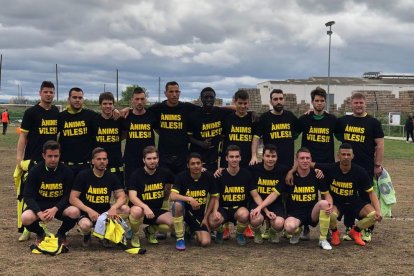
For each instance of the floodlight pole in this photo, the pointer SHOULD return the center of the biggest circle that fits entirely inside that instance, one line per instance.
(329, 32)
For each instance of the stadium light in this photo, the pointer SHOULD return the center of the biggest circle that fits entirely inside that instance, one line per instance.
(329, 32)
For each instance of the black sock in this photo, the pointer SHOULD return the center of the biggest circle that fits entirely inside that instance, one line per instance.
(35, 228)
(67, 224)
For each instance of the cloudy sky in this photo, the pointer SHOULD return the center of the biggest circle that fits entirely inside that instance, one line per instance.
(222, 44)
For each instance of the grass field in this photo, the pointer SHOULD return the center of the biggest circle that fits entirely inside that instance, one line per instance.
(390, 252)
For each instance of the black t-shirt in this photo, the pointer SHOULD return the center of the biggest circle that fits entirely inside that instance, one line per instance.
(205, 126)
(198, 189)
(140, 134)
(172, 127)
(107, 134)
(96, 191)
(75, 135)
(317, 136)
(303, 195)
(280, 130)
(266, 181)
(150, 188)
(235, 190)
(41, 125)
(361, 133)
(239, 131)
(344, 187)
(46, 188)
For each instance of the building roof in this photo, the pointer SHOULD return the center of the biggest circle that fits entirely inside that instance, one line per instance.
(389, 80)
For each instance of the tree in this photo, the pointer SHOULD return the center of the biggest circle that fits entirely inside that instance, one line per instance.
(127, 93)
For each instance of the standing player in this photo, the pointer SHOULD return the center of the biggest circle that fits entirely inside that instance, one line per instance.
(107, 134)
(317, 134)
(364, 133)
(303, 207)
(146, 188)
(5, 120)
(235, 185)
(194, 193)
(205, 128)
(267, 175)
(47, 194)
(91, 193)
(139, 126)
(75, 138)
(39, 125)
(279, 127)
(172, 116)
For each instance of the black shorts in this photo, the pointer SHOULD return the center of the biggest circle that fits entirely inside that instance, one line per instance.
(278, 209)
(58, 215)
(193, 221)
(175, 163)
(157, 213)
(305, 217)
(228, 213)
(352, 207)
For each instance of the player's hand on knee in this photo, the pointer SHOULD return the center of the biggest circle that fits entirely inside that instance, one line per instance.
(378, 216)
(93, 215)
(255, 212)
(271, 215)
(148, 213)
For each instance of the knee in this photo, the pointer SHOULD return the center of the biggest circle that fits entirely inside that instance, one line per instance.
(290, 227)
(243, 216)
(124, 209)
(323, 204)
(136, 212)
(28, 217)
(256, 221)
(278, 223)
(85, 225)
(205, 242)
(72, 212)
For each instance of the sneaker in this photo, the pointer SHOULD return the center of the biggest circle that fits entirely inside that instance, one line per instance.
(129, 234)
(329, 236)
(161, 236)
(335, 238)
(219, 237)
(366, 235)
(86, 240)
(135, 240)
(180, 245)
(25, 236)
(248, 233)
(356, 236)
(63, 239)
(305, 235)
(346, 236)
(286, 234)
(241, 240)
(274, 237)
(295, 237)
(324, 244)
(105, 243)
(39, 239)
(266, 234)
(226, 233)
(258, 238)
(152, 239)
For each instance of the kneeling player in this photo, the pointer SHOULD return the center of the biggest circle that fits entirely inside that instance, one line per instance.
(46, 194)
(235, 185)
(303, 207)
(146, 192)
(91, 193)
(190, 195)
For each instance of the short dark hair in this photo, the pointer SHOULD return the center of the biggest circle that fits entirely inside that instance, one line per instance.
(98, 150)
(318, 91)
(148, 150)
(357, 95)
(207, 89)
(75, 89)
(47, 84)
(241, 94)
(50, 145)
(193, 155)
(270, 147)
(232, 148)
(106, 96)
(345, 146)
(276, 91)
(302, 149)
(170, 83)
(138, 90)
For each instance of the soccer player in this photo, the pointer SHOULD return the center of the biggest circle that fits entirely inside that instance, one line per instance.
(139, 126)
(345, 179)
(364, 133)
(205, 129)
(75, 135)
(303, 207)
(5, 118)
(107, 134)
(235, 185)
(91, 193)
(266, 176)
(172, 116)
(147, 187)
(39, 125)
(279, 127)
(194, 194)
(47, 194)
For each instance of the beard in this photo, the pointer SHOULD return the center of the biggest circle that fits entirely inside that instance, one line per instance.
(278, 108)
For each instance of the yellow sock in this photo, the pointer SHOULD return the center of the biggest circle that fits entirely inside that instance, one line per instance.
(135, 223)
(240, 227)
(179, 227)
(324, 221)
(366, 222)
(333, 220)
(166, 205)
(163, 228)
